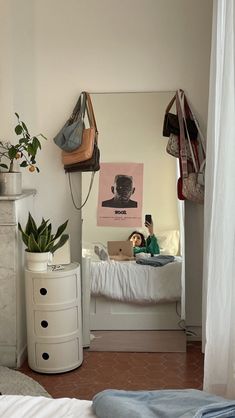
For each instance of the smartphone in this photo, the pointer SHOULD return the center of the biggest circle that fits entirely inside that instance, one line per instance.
(148, 218)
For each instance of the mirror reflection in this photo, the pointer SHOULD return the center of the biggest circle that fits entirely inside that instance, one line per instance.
(130, 131)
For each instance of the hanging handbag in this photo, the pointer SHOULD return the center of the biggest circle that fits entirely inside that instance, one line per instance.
(172, 147)
(188, 185)
(85, 151)
(171, 123)
(92, 163)
(201, 173)
(180, 189)
(70, 136)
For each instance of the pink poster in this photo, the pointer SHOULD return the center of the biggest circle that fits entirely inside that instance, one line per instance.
(120, 194)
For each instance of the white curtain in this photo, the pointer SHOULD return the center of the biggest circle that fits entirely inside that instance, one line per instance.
(219, 236)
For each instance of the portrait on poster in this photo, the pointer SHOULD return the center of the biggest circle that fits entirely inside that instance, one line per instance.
(120, 194)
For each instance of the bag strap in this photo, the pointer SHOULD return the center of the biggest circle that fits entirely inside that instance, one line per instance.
(90, 114)
(183, 102)
(88, 193)
(201, 140)
(79, 109)
(169, 106)
(200, 136)
(182, 143)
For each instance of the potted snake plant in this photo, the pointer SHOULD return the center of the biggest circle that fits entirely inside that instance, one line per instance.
(12, 156)
(40, 242)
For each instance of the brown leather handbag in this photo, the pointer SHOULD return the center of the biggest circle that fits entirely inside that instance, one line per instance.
(84, 152)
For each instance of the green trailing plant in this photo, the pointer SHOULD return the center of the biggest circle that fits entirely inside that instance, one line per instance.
(24, 151)
(39, 239)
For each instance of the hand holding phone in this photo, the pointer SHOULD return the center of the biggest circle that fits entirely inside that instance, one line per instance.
(149, 224)
(148, 219)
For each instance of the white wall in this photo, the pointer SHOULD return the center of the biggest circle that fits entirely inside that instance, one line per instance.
(53, 49)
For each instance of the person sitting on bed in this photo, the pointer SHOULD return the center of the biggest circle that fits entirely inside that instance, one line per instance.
(140, 245)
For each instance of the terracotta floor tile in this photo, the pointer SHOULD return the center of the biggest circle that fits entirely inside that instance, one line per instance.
(128, 371)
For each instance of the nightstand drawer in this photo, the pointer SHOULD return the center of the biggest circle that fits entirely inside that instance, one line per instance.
(57, 357)
(56, 323)
(55, 290)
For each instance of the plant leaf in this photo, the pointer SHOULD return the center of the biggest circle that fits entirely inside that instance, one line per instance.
(25, 237)
(3, 166)
(59, 244)
(25, 127)
(42, 242)
(31, 150)
(50, 237)
(43, 227)
(36, 143)
(61, 229)
(23, 141)
(12, 152)
(31, 226)
(33, 246)
(18, 129)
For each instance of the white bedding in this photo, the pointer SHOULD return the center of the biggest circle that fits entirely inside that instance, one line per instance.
(13, 406)
(131, 282)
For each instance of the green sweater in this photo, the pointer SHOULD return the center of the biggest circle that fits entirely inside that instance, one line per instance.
(152, 246)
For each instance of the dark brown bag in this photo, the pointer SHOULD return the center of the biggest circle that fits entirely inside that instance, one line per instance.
(93, 163)
(171, 123)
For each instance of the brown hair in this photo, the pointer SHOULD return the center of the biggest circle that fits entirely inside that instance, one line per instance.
(142, 244)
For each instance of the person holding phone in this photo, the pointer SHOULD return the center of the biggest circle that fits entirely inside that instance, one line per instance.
(140, 245)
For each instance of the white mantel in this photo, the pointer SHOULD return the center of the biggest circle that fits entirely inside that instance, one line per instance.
(13, 209)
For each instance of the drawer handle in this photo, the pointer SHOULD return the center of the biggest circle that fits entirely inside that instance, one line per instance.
(44, 324)
(45, 356)
(43, 291)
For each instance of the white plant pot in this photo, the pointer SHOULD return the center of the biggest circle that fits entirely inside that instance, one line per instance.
(36, 261)
(10, 184)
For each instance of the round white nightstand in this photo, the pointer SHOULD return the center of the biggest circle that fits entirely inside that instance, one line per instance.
(53, 314)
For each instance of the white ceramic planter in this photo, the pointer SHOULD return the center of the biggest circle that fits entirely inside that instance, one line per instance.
(36, 261)
(10, 184)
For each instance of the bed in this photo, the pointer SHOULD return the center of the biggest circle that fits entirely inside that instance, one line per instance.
(17, 406)
(127, 296)
(119, 403)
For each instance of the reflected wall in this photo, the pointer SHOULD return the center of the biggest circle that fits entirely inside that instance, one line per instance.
(130, 131)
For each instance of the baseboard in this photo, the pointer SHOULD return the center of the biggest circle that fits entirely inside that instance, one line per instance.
(194, 333)
(138, 341)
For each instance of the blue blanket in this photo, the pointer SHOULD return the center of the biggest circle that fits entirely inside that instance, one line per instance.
(188, 403)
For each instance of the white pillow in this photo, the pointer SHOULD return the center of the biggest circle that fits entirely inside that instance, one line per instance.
(168, 242)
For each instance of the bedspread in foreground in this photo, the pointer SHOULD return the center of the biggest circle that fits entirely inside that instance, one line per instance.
(128, 281)
(18, 406)
(188, 403)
